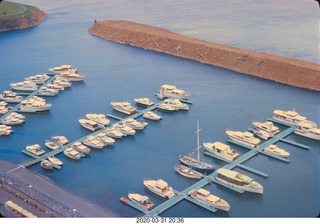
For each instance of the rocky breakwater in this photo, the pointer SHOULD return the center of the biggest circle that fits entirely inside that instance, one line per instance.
(280, 69)
(28, 17)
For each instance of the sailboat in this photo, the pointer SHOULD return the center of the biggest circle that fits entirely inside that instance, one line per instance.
(196, 163)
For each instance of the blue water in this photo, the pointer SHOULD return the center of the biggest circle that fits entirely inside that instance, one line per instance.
(222, 99)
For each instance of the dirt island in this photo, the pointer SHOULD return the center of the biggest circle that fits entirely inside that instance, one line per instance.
(280, 69)
(14, 16)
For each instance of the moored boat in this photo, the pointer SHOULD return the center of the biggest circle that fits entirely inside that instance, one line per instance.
(159, 187)
(145, 102)
(38, 79)
(61, 140)
(45, 91)
(99, 118)
(209, 199)
(221, 150)
(187, 172)
(93, 142)
(170, 91)
(55, 160)
(102, 137)
(289, 117)
(51, 145)
(238, 180)
(12, 121)
(5, 130)
(90, 125)
(273, 149)
(141, 200)
(245, 138)
(72, 154)
(78, 146)
(35, 149)
(263, 134)
(124, 107)
(196, 163)
(113, 133)
(152, 116)
(176, 104)
(266, 126)
(124, 129)
(34, 105)
(72, 77)
(11, 97)
(165, 108)
(24, 86)
(308, 129)
(136, 125)
(63, 68)
(46, 164)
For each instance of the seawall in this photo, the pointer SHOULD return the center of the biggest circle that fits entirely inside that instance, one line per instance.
(280, 69)
(30, 17)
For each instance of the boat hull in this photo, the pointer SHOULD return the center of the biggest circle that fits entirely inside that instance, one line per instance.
(186, 162)
(244, 188)
(307, 134)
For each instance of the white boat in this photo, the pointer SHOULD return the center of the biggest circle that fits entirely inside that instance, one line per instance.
(72, 77)
(5, 130)
(35, 149)
(32, 105)
(55, 87)
(17, 115)
(78, 146)
(124, 107)
(159, 187)
(165, 108)
(136, 125)
(187, 172)
(196, 163)
(308, 129)
(176, 104)
(124, 129)
(71, 153)
(93, 142)
(90, 125)
(266, 126)
(209, 199)
(99, 118)
(273, 149)
(113, 133)
(55, 160)
(263, 134)
(61, 140)
(51, 145)
(45, 91)
(4, 107)
(63, 68)
(145, 102)
(46, 164)
(10, 97)
(221, 150)
(170, 91)
(64, 84)
(289, 117)
(24, 86)
(238, 180)
(39, 79)
(245, 138)
(141, 200)
(12, 121)
(102, 137)
(152, 116)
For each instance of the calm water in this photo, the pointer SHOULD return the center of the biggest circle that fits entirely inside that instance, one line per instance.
(222, 99)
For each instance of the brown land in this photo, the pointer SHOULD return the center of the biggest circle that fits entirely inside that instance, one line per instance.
(280, 69)
(35, 17)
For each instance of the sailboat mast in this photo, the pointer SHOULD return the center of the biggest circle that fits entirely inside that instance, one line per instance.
(198, 141)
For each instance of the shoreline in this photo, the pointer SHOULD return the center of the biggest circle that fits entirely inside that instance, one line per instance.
(40, 196)
(280, 69)
(30, 17)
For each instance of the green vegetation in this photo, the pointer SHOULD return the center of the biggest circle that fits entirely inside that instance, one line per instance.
(10, 10)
